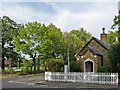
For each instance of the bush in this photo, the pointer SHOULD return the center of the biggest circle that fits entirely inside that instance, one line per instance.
(27, 64)
(54, 65)
(103, 69)
(26, 70)
(74, 67)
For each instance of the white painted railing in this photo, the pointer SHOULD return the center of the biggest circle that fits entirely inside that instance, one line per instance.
(97, 78)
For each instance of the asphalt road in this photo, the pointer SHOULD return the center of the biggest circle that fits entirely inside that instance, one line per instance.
(7, 84)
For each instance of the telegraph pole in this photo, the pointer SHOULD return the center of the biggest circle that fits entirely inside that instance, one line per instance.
(68, 61)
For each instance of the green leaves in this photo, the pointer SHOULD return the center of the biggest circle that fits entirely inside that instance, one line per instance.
(40, 41)
(111, 37)
(114, 55)
(74, 40)
(9, 29)
(54, 65)
(117, 23)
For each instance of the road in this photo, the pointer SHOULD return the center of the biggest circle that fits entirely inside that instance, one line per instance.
(25, 81)
(8, 83)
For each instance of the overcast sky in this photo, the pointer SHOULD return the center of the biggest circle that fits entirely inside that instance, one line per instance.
(92, 16)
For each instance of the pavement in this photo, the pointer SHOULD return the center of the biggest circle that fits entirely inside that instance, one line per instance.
(37, 81)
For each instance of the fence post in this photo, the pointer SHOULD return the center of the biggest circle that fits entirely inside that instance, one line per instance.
(49, 74)
(117, 78)
(46, 75)
(65, 73)
(74, 77)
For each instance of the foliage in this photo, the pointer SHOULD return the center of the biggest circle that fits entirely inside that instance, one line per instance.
(75, 67)
(103, 69)
(117, 23)
(30, 40)
(75, 40)
(40, 43)
(38, 40)
(111, 37)
(27, 64)
(58, 44)
(114, 56)
(9, 28)
(54, 65)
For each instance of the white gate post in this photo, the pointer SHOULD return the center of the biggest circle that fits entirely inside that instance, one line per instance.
(117, 78)
(74, 77)
(65, 73)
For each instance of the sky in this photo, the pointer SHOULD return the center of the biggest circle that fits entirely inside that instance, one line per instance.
(91, 16)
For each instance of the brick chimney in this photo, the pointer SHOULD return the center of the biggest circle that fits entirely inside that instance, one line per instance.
(103, 35)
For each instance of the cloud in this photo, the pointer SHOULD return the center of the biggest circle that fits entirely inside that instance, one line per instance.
(67, 16)
(24, 14)
(100, 15)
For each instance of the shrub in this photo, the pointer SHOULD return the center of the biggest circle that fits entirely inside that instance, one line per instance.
(27, 64)
(54, 65)
(104, 69)
(74, 66)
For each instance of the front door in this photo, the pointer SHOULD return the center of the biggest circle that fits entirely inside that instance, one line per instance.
(88, 66)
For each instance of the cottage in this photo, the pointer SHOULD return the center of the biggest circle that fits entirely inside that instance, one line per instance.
(94, 54)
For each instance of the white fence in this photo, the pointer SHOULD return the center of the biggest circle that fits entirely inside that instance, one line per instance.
(97, 78)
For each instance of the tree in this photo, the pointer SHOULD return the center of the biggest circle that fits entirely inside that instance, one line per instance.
(31, 40)
(56, 48)
(114, 52)
(117, 23)
(9, 29)
(114, 55)
(74, 41)
(111, 37)
(57, 41)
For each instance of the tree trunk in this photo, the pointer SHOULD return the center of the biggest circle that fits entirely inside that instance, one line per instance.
(34, 65)
(31, 68)
(38, 65)
(34, 62)
(3, 63)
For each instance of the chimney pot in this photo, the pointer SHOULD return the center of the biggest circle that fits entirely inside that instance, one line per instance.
(103, 30)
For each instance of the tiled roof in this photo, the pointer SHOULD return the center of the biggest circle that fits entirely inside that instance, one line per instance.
(94, 50)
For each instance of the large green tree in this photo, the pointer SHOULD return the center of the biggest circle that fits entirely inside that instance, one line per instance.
(40, 41)
(56, 37)
(9, 29)
(32, 40)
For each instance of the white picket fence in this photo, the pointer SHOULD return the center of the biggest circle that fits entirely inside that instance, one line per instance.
(97, 78)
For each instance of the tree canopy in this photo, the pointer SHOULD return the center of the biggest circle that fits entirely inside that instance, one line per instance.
(9, 29)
